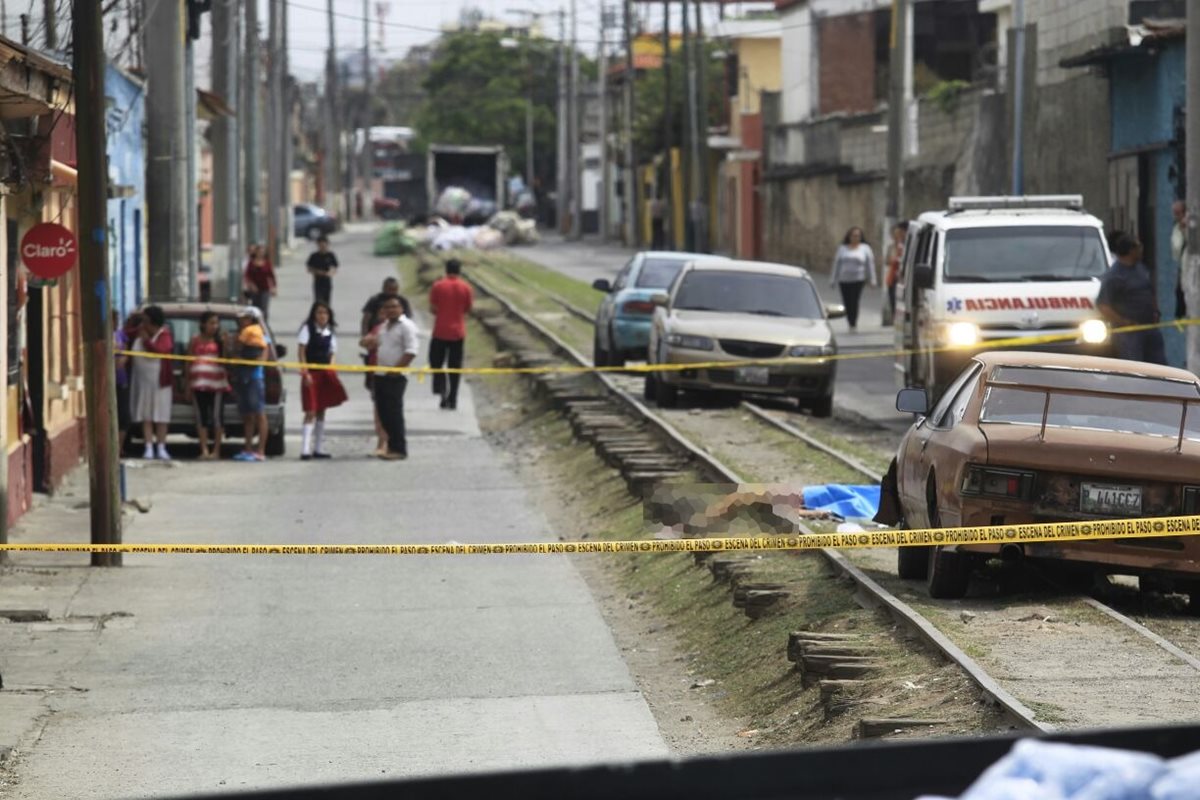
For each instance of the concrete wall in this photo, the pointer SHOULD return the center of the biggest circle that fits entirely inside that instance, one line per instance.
(1070, 27)
(797, 62)
(807, 216)
(760, 63)
(846, 49)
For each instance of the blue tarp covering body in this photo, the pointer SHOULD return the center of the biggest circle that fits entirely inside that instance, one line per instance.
(848, 502)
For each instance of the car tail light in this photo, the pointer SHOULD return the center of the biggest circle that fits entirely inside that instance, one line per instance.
(998, 482)
(1191, 499)
(638, 307)
(273, 385)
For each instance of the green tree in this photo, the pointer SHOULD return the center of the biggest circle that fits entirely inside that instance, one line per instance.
(476, 91)
(650, 102)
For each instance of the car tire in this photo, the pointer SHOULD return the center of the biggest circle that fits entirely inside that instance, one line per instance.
(599, 354)
(949, 574)
(276, 443)
(616, 358)
(912, 563)
(313, 233)
(666, 395)
(823, 408)
(649, 391)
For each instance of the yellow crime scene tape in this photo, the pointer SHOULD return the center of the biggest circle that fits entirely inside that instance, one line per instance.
(421, 372)
(1150, 527)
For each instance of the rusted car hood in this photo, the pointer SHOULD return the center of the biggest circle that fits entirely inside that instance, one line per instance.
(1092, 452)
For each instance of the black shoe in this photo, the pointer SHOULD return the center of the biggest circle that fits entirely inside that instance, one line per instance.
(452, 405)
(321, 455)
(305, 457)
(446, 403)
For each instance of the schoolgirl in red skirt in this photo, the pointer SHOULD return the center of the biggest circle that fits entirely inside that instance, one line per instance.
(320, 389)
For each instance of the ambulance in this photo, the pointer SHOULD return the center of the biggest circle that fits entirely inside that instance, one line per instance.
(989, 269)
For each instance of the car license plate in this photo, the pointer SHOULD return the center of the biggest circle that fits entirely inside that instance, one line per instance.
(758, 376)
(1104, 498)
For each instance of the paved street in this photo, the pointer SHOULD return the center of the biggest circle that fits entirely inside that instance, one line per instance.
(865, 387)
(236, 671)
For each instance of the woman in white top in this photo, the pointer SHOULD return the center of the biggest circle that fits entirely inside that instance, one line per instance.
(853, 266)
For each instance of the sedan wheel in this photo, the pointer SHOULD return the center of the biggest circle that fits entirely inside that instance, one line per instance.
(912, 563)
(599, 354)
(949, 574)
(666, 395)
(824, 407)
(649, 391)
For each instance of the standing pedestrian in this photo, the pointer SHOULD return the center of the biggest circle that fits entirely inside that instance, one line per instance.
(124, 336)
(152, 382)
(372, 317)
(894, 257)
(1179, 254)
(658, 225)
(323, 265)
(249, 384)
(259, 280)
(320, 388)
(1127, 299)
(450, 299)
(853, 267)
(396, 344)
(207, 384)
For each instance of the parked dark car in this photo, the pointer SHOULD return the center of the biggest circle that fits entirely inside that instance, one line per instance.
(313, 222)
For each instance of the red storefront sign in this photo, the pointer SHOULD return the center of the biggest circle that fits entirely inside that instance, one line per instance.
(49, 250)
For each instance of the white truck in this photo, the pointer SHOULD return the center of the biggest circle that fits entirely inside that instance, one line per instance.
(988, 269)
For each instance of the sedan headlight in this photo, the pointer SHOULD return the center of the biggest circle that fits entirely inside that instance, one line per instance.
(812, 350)
(689, 342)
(961, 334)
(1094, 331)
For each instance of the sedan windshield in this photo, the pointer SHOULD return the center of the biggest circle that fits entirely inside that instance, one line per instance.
(749, 293)
(658, 273)
(1026, 253)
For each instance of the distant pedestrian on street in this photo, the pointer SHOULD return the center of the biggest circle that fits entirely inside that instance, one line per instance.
(894, 257)
(152, 382)
(658, 223)
(208, 384)
(320, 389)
(124, 335)
(853, 267)
(259, 280)
(322, 265)
(1127, 298)
(396, 344)
(249, 383)
(450, 300)
(1179, 254)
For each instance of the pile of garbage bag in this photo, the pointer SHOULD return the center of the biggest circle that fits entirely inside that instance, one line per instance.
(1035, 770)
(395, 239)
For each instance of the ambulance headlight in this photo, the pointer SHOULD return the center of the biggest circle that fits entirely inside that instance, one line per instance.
(962, 334)
(1093, 331)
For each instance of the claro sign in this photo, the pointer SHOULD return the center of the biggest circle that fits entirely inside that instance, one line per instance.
(49, 250)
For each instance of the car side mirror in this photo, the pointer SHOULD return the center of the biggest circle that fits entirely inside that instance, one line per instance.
(602, 285)
(280, 350)
(923, 276)
(660, 299)
(835, 310)
(912, 400)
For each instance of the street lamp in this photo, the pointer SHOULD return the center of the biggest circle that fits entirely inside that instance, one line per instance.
(512, 44)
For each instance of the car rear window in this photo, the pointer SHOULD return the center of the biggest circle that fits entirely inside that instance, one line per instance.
(1095, 381)
(749, 293)
(1143, 416)
(658, 273)
(184, 328)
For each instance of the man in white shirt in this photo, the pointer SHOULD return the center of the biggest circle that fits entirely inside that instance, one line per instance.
(395, 344)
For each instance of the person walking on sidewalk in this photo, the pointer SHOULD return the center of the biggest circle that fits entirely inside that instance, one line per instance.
(1127, 299)
(152, 382)
(320, 389)
(207, 384)
(259, 279)
(323, 265)
(396, 344)
(450, 299)
(894, 256)
(249, 384)
(853, 267)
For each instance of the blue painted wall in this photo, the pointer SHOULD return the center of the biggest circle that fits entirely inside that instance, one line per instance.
(1145, 90)
(126, 99)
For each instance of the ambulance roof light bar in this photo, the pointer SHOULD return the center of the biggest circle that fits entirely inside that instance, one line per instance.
(1072, 202)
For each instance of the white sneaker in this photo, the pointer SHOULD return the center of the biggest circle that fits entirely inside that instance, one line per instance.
(163, 455)
(149, 452)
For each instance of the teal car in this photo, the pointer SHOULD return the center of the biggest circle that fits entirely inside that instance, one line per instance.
(623, 318)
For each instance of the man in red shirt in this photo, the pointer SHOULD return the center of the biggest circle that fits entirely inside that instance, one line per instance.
(450, 299)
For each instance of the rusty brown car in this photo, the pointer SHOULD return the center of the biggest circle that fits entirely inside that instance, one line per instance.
(1040, 437)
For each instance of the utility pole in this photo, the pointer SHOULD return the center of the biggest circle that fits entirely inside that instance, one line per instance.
(574, 122)
(166, 171)
(332, 166)
(287, 148)
(251, 107)
(367, 164)
(274, 128)
(1018, 90)
(561, 182)
(1191, 267)
(100, 394)
(50, 20)
(191, 162)
(630, 179)
(605, 183)
(225, 188)
(701, 109)
(692, 173)
(896, 114)
(668, 129)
